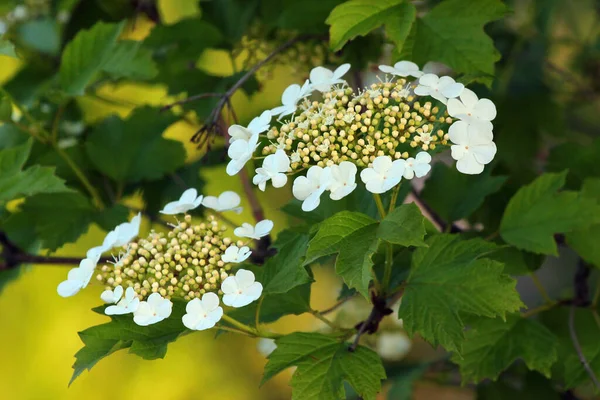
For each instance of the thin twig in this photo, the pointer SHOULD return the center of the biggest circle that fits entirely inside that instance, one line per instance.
(578, 349)
(190, 99)
(433, 216)
(336, 305)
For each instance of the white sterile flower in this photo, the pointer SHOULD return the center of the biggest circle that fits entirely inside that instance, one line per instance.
(3, 27)
(227, 201)
(343, 180)
(234, 254)
(112, 296)
(322, 79)
(402, 68)
(441, 89)
(127, 305)
(202, 314)
(295, 158)
(473, 147)
(384, 175)
(240, 152)
(77, 278)
(241, 289)
(290, 98)
(472, 109)
(63, 16)
(188, 201)
(256, 126)
(266, 346)
(263, 228)
(153, 310)
(393, 345)
(273, 168)
(417, 166)
(127, 231)
(309, 188)
(20, 12)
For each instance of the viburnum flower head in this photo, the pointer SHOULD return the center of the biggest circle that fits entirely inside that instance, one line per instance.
(153, 310)
(77, 278)
(227, 201)
(256, 126)
(322, 79)
(189, 200)
(418, 166)
(309, 188)
(441, 89)
(273, 168)
(343, 180)
(402, 68)
(240, 152)
(126, 305)
(473, 147)
(263, 228)
(234, 254)
(472, 109)
(384, 175)
(241, 289)
(202, 314)
(290, 98)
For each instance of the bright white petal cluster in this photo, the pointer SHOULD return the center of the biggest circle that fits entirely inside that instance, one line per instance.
(112, 296)
(227, 201)
(202, 314)
(234, 254)
(343, 180)
(473, 147)
(189, 200)
(241, 289)
(124, 233)
(263, 228)
(240, 152)
(441, 89)
(273, 168)
(290, 98)
(256, 126)
(418, 166)
(309, 188)
(402, 68)
(153, 310)
(383, 175)
(78, 278)
(126, 305)
(472, 109)
(322, 79)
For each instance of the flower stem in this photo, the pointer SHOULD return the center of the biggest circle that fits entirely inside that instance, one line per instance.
(257, 316)
(541, 289)
(379, 204)
(538, 310)
(320, 317)
(394, 198)
(248, 329)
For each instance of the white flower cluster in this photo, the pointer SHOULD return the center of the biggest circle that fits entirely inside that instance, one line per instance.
(202, 313)
(388, 113)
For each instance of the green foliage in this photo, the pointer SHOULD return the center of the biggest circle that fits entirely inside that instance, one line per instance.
(448, 281)
(492, 345)
(285, 271)
(149, 342)
(139, 143)
(7, 48)
(538, 211)
(324, 363)
(585, 241)
(405, 226)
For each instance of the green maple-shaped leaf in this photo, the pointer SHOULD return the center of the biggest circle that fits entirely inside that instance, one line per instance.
(17, 182)
(449, 280)
(405, 226)
(324, 363)
(149, 342)
(492, 345)
(538, 211)
(138, 142)
(285, 270)
(585, 241)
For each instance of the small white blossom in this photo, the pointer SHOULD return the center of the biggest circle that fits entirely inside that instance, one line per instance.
(417, 166)
(373, 93)
(343, 180)
(473, 147)
(384, 175)
(127, 231)
(393, 345)
(227, 201)
(153, 310)
(402, 68)
(273, 168)
(322, 79)
(112, 296)
(234, 254)
(241, 289)
(295, 157)
(472, 109)
(266, 346)
(441, 89)
(127, 305)
(202, 314)
(63, 16)
(256, 126)
(188, 201)
(240, 152)
(77, 278)
(20, 12)
(309, 188)
(348, 118)
(263, 228)
(290, 98)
